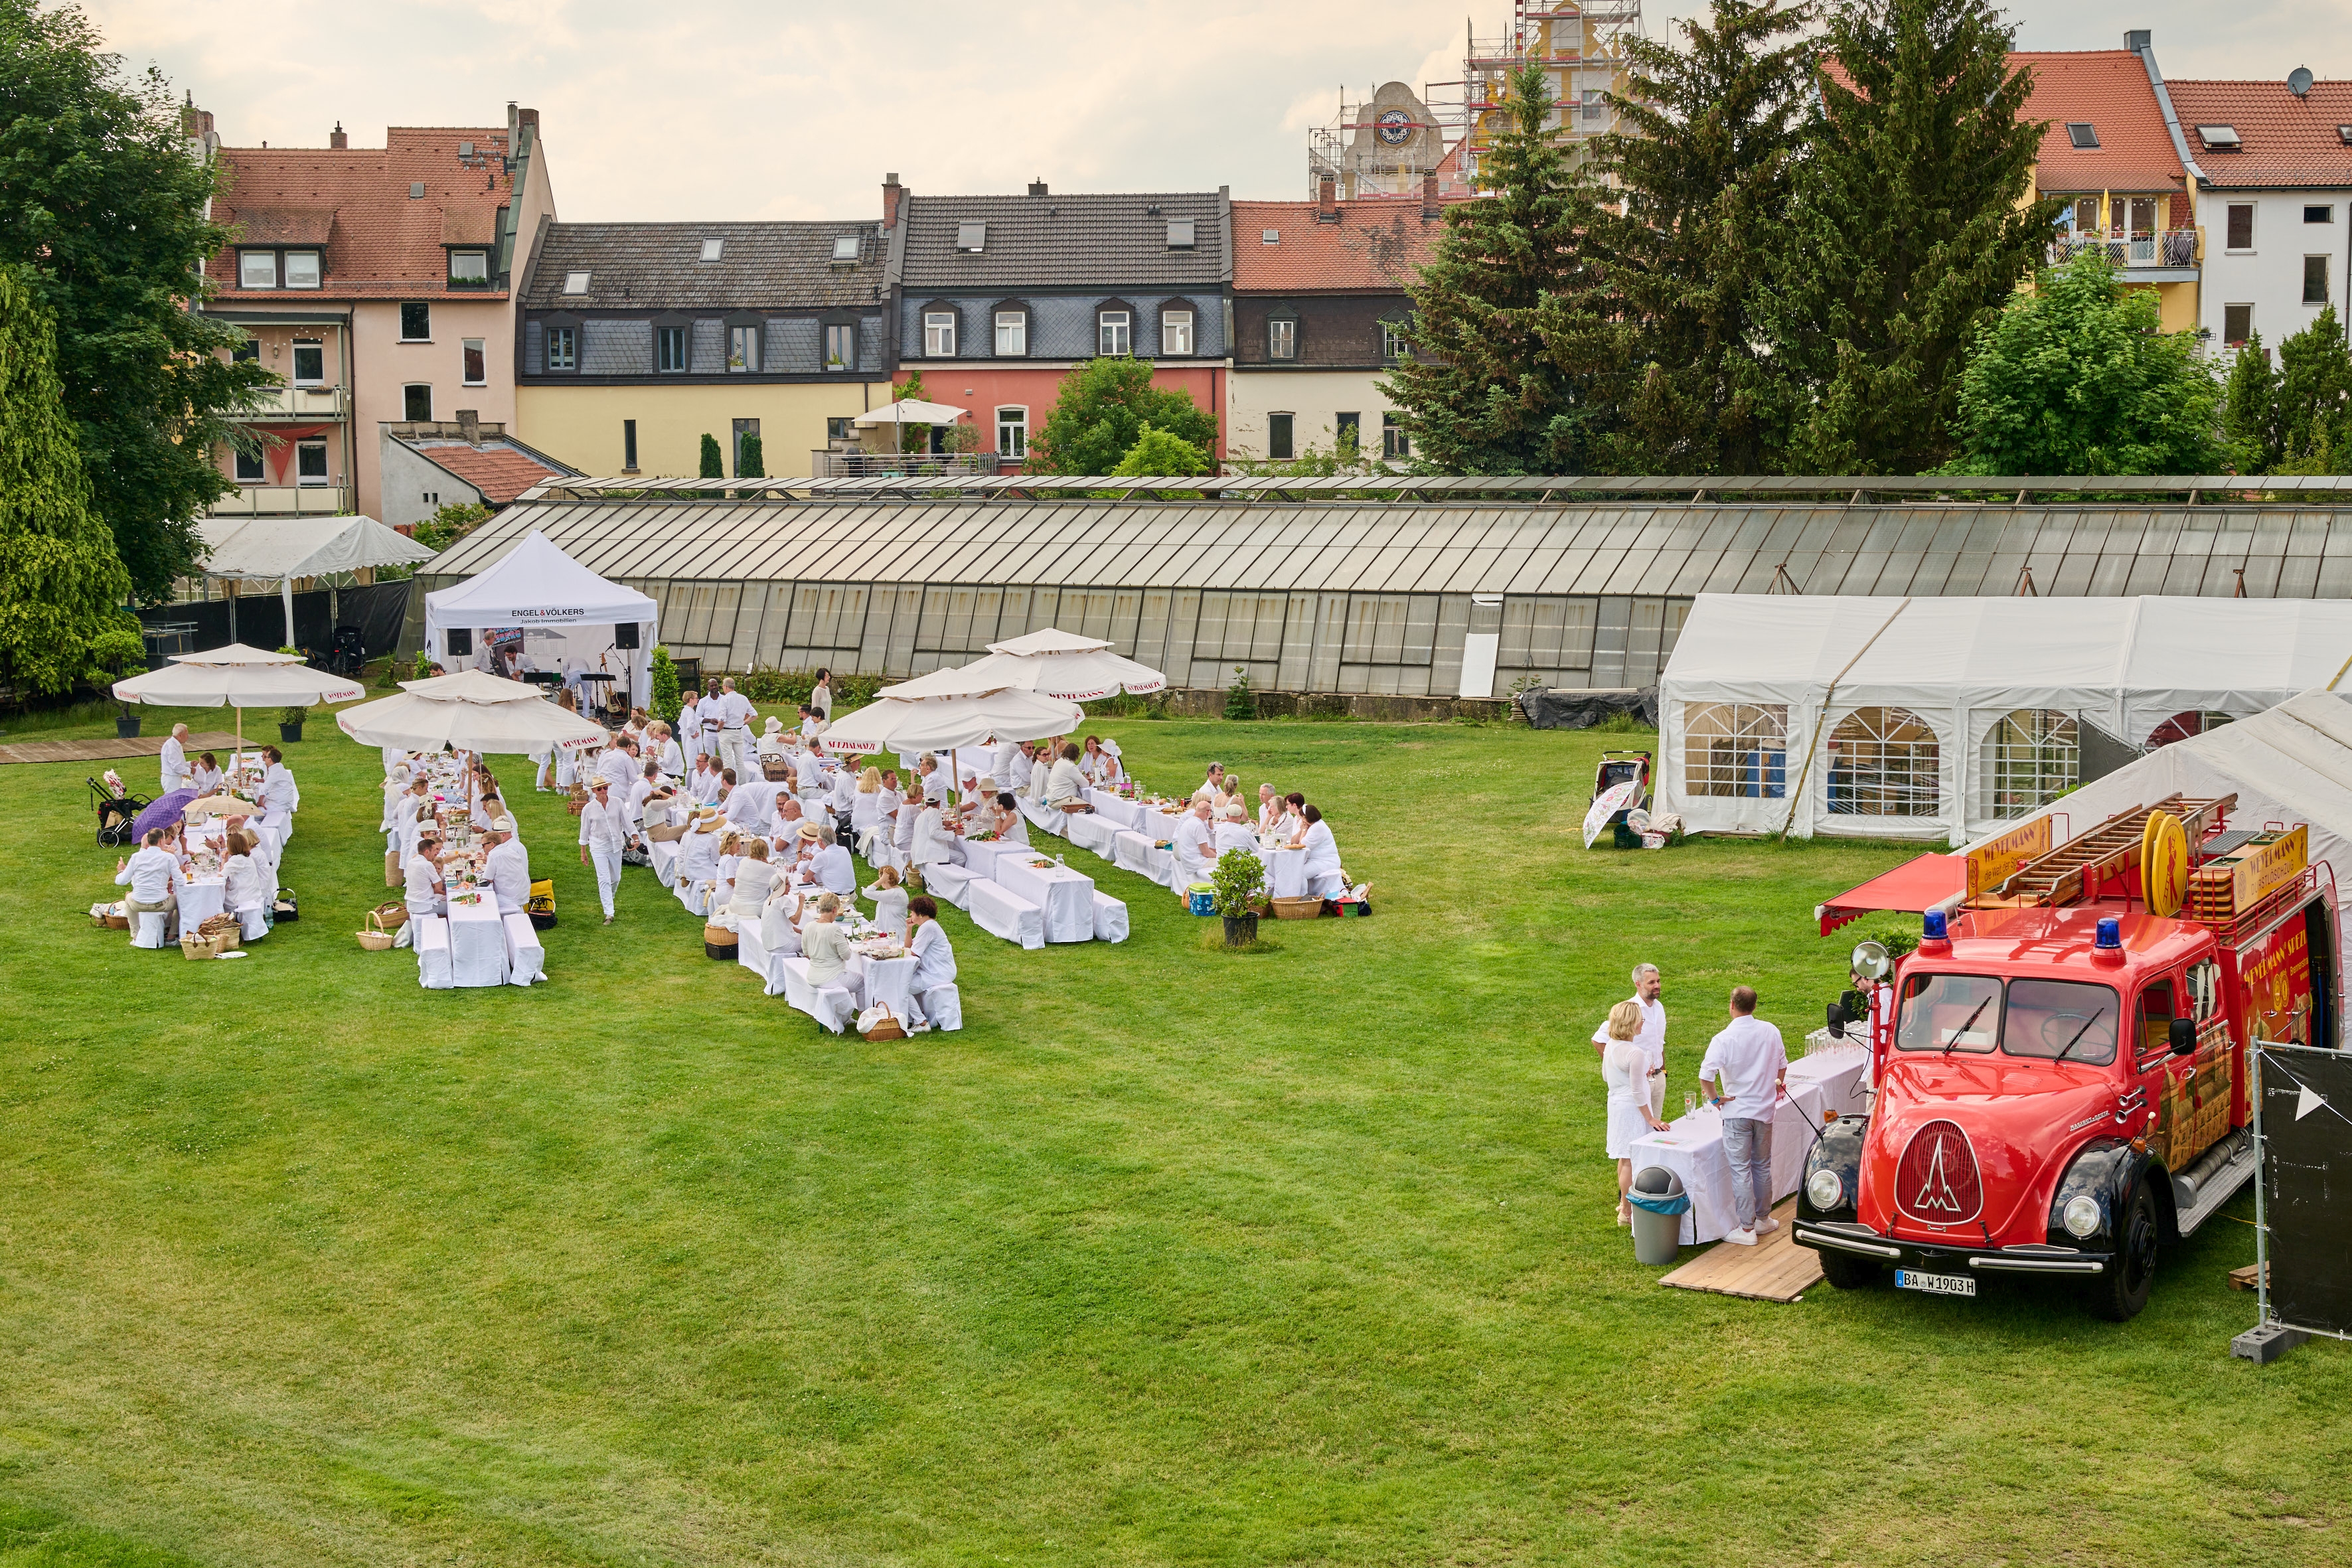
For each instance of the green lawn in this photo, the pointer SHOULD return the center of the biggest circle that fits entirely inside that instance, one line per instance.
(1170, 1257)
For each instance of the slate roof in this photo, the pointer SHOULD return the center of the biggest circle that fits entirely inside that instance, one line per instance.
(380, 242)
(659, 266)
(2109, 89)
(1377, 246)
(2285, 140)
(1067, 242)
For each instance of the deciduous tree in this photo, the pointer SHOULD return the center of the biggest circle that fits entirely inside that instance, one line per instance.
(1101, 413)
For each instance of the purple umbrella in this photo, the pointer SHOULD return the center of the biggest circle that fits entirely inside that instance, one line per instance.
(162, 812)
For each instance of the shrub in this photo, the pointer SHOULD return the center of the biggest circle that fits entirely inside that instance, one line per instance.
(766, 686)
(1239, 702)
(1239, 880)
(668, 703)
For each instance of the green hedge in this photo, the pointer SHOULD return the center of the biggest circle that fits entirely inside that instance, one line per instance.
(767, 687)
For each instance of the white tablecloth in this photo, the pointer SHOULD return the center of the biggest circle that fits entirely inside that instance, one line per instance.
(950, 884)
(1041, 817)
(752, 955)
(526, 959)
(1155, 824)
(1118, 812)
(979, 858)
(664, 855)
(432, 940)
(1110, 919)
(477, 943)
(1066, 897)
(1286, 872)
(1841, 1073)
(1134, 852)
(200, 900)
(1091, 832)
(1693, 1149)
(888, 980)
(998, 911)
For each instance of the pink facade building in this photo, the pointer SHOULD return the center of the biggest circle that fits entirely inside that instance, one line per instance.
(378, 282)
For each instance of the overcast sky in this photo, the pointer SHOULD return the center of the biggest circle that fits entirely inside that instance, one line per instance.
(749, 109)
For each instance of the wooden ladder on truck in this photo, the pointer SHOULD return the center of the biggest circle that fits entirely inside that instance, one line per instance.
(2074, 870)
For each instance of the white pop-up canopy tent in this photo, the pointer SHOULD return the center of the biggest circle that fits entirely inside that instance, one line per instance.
(261, 551)
(1942, 718)
(552, 612)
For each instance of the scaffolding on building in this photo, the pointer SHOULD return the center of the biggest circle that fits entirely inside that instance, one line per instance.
(1582, 49)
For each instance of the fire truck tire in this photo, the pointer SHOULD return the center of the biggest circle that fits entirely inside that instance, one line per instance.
(2119, 1294)
(1847, 1272)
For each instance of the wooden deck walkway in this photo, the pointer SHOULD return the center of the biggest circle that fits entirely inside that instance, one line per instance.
(1775, 1269)
(109, 749)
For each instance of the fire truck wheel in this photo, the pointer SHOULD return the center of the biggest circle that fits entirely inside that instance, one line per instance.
(2122, 1291)
(1847, 1272)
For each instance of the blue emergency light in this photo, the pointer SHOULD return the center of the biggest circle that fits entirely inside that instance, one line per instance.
(1931, 925)
(2111, 933)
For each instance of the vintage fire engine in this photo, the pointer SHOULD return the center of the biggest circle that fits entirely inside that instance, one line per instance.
(2060, 1066)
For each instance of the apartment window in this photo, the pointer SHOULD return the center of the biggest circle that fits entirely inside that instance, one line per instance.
(1114, 333)
(249, 349)
(562, 348)
(2237, 324)
(938, 334)
(257, 270)
(971, 236)
(711, 248)
(309, 362)
(416, 401)
(841, 346)
(311, 462)
(469, 267)
(2241, 226)
(2083, 135)
(1176, 332)
(1282, 337)
(1393, 343)
(2319, 214)
(1277, 435)
(575, 283)
(301, 269)
(742, 349)
(476, 362)
(2315, 279)
(248, 467)
(628, 446)
(844, 247)
(1348, 432)
(1394, 441)
(415, 322)
(841, 428)
(1012, 335)
(1013, 432)
(669, 350)
(746, 430)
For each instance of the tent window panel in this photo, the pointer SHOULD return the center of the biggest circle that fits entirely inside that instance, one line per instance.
(930, 637)
(2032, 757)
(1208, 636)
(2181, 726)
(1735, 750)
(1420, 628)
(1884, 761)
(744, 652)
(1125, 608)
(1272, 611)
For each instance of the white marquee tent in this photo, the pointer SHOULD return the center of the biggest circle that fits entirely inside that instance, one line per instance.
(1942, 718)
(560, 610)
(260, 552)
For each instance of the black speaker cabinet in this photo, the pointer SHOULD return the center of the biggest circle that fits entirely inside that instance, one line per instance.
(461, 642)
(624, 635)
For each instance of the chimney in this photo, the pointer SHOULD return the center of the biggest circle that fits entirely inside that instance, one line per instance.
(2139, 41)
(337, 140)
(1037, 189)
(1326, 199)
(469, 426)
(1428, 207)
(892, 191)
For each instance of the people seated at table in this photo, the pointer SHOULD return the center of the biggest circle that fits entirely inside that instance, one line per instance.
(1195, 840)
(1324, 877)
(1065, 790)
(865, 805)
(1293, 821)
(153, 876)
(830, 868)
(651, 788)
(279, 795)
(932, 778)
(1002, 817)
(1269, 809)
(242, 893)
(753, 878)
(808, 774)
(1209, 787)
(771, 743)
(1007, 763)
(745, 803)
(206, 777)
(934, 839)
(698, 852)
(890, 902)
(508, 866)
(927, 945)
(422, 889)
(702, 780)
(1100, 764)
(1233, 830)
(904, 823)
(824, 943)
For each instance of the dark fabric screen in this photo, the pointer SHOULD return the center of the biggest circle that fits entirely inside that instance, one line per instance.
(2306, 1166)
(261, 619)
(1581, 708)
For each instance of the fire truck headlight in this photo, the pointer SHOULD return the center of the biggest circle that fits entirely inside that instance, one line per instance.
(1824, 1189)
(2081, 1217)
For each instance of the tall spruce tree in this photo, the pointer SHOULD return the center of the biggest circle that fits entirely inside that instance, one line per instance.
(1512, 331)
(1908, 229)
(1705, 163)
(2249, 409)
(61, 583)
(2313, 400)
(714, 461)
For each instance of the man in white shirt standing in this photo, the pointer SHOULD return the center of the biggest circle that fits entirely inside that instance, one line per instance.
(509, 865)
(603, 833)
(735, 715)
(174, 759)
(1653, 1037)
(1747, 1063)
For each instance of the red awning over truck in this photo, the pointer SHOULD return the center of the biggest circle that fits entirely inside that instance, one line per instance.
(1913, 887)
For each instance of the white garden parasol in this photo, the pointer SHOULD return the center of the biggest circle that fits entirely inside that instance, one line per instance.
(943, 723)
(1056, 663)
(240, 676)
(473, 710)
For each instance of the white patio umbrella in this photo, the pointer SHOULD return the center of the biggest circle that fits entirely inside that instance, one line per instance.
(910, 411)
(1056, 663)
(943, 723)
(240, 677)
(473, 710)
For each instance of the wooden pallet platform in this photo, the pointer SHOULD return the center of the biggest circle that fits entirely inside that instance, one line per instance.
(1775, 1269)
(110, 749)
(2244, 1279)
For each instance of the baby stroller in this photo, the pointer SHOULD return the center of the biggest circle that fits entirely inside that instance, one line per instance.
(116, 814)
(1623, 767)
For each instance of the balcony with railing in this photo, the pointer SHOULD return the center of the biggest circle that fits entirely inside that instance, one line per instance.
(307, 403)
(834, 464)
(2168, 249)
(284, 500)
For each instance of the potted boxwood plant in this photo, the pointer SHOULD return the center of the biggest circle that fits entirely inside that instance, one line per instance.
(1238, 878)
(289, 725)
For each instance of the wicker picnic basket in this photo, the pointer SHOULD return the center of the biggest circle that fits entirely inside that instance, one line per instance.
(718, 942)
(1297, 909)
(375, 939)
(113, 921)
(775, 770)
(218, 934)
(390, 915)
(886, 1028)
(579, 801)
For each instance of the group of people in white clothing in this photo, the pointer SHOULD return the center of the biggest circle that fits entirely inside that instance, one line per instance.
(1745, 1064)
(1219, 819)
(276, 796)
(158, 872)
(423, 792)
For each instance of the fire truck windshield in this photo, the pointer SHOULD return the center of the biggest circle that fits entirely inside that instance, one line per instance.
(2049, 1018)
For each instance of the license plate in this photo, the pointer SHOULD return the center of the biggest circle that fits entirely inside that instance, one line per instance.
(1934, 1284)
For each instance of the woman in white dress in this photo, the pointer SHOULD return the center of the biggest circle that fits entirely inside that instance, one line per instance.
(889, 903)
(1626, 1068)
(865, 805)
(241, 892)
(1325, 880)
(753, 878)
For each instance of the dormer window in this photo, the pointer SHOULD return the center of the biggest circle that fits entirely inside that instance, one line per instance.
(844, 247)
(1179, 234)
(742, 346)
(938, 334)
(257, 270)
(301, 269)
(2083, 135)
(711, 248)
(1114, 332)
(2219, 138)
(971, 238)
(469, 267)
(1282, 337)
(575, 283)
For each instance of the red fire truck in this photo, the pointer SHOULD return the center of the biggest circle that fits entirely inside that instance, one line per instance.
(2060, 1067)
